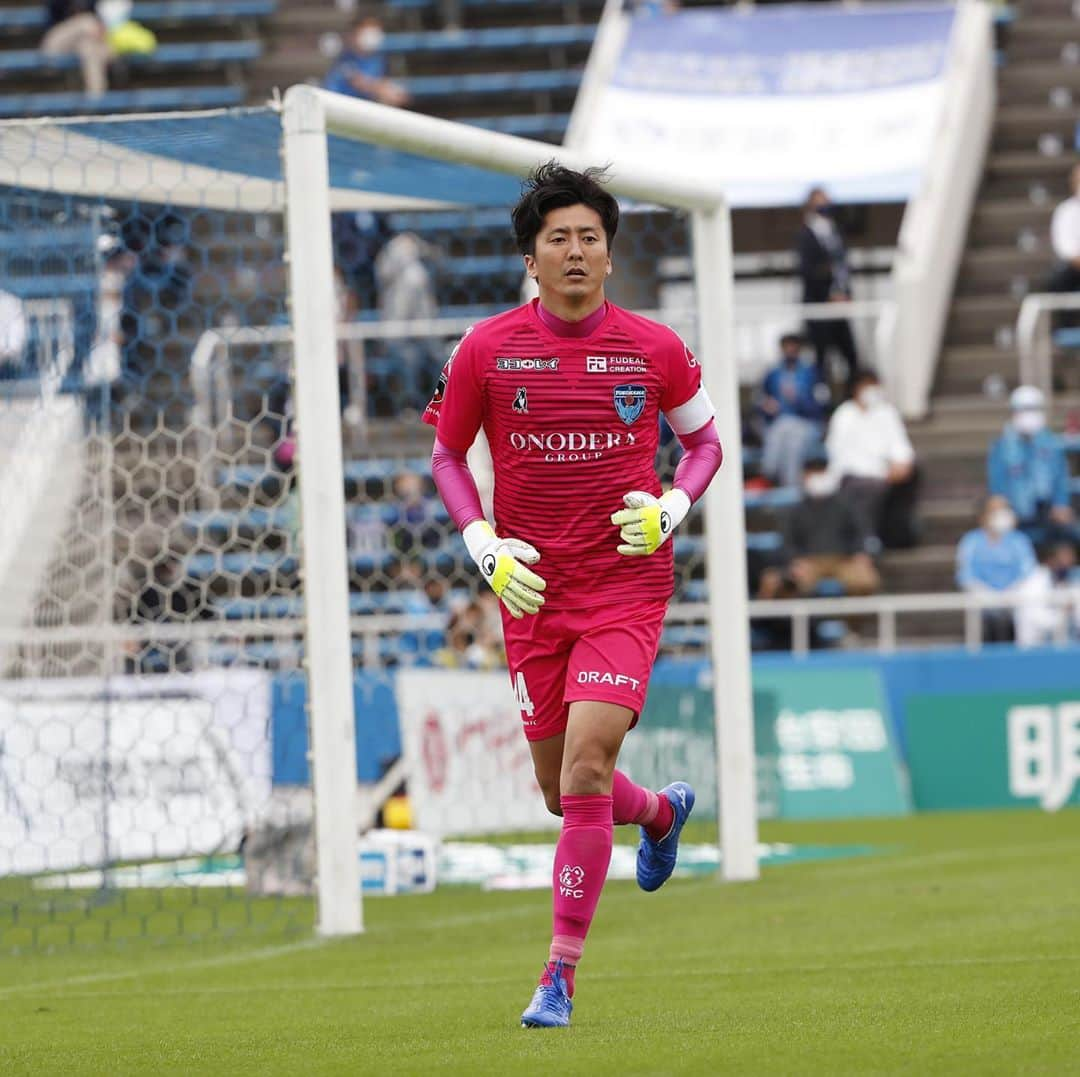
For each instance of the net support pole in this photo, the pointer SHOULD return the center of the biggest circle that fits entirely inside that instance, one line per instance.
(725, 552)
(322, 507)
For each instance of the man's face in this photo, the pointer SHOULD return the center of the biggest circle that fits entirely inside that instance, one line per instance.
(571, 258)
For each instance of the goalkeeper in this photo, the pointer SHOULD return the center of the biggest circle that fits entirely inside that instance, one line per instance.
(569, 390)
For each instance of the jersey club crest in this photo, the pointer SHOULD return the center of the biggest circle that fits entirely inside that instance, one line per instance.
(629, 402)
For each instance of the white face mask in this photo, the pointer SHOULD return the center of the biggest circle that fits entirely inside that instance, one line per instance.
(871, 396)
(820, 484)
(1001, 521)
(370, 39)
(1029, 422)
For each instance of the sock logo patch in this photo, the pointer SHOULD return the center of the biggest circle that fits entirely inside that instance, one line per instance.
(570, 880)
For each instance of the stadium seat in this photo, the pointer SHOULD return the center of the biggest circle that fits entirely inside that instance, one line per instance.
(509, 38)
(527, 126)
(154, 13)
(164, 99)
(491, 83)
(781, 497)
(188, 54)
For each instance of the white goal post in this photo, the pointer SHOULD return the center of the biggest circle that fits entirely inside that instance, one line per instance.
(308, 114)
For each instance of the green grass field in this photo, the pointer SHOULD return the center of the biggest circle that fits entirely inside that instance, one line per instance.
(955, 950)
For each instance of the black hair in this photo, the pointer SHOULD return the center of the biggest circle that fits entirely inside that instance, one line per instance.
(864, 376)
(816, 462)
(796, 337)
(808, 201)
(553, 186)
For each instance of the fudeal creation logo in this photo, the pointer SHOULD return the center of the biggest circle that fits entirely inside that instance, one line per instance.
(570, 880)
(629, 402)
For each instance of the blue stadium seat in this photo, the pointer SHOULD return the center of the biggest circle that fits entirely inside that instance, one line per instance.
(201, 566)
(1067, 339)
(190, 54)
(781, 497)
(510, 38)
(764, 541)
(221, 524)
(448, 221)
(492, 83)
(160, 100)
(253, 476)
(154, 13)
(686, 637)
(528, 126)
(50, 285)
(278, 606)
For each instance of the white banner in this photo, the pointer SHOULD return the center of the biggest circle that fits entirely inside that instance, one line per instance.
(770, 101)
(130, 768)
(470, 770)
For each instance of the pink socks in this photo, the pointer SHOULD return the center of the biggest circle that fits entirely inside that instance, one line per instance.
(634, 804)
(582, 857)
(581, 863)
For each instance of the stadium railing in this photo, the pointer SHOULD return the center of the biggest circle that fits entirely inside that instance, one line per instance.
(1036, 339)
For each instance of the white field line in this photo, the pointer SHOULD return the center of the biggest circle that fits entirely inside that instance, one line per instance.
(291, 987)
(222, 960)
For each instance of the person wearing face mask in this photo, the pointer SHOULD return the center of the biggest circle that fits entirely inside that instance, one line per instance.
(822, 540)
(792, 404)
(1043, 620)
(1027, 466)
(360, 69)
(996, 558)
(826, 278)
(872, 454)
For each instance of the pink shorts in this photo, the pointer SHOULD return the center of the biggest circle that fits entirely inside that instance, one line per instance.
(556, 657)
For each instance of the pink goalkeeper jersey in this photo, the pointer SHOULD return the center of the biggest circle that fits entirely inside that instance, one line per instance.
(573, 424)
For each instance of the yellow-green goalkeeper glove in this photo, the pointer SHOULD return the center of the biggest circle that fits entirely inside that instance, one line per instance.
(502, 563)
(647, 522)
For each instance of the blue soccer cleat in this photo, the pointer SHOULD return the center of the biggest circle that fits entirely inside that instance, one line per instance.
(656, 859)
(551, 1005)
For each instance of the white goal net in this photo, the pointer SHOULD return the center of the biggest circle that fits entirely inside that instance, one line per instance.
(221, 530)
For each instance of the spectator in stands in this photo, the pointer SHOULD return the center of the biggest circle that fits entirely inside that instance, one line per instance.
(792, 402)
(826, 278)
(1027, 466)
(871, 455)
(165, 596)
(996, 558)
(1045, 620)
(360, 69)
(474, 636)
(414, 519)
(823, 539)
(1065, 239)
(406, 291)
(73, 27)
(358, 238)
(13, 331)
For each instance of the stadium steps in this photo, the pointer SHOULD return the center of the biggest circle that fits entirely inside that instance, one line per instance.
(1016, 221)
(1023, 128)
(1039, 83)
(991, 270)
(1008, 252)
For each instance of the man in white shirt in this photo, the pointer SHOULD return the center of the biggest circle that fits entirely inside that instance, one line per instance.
(12, 329)
(1065, 239)
(870, 452)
